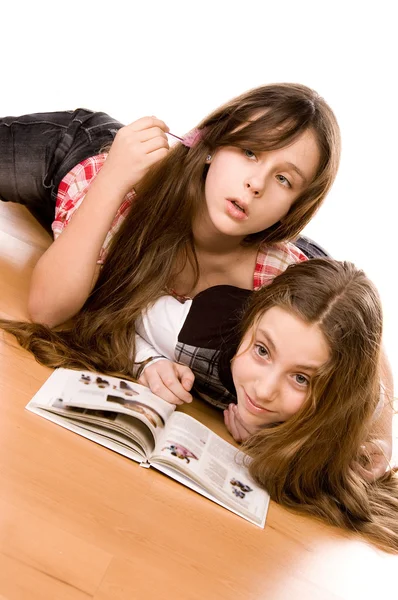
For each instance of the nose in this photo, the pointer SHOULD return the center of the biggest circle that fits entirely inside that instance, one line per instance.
(255, 185)
(267, 389)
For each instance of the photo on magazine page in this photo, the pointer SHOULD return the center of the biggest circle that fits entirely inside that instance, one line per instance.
(104, 410)
(97, 392)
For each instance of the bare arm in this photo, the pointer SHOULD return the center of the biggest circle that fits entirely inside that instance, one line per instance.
(66, 273)
(157, 335)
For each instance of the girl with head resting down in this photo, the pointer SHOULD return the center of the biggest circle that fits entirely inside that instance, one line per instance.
(296, 366)
(323, 443)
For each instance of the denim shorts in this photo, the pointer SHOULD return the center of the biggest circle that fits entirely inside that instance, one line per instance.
(38, 150)
(310, 248)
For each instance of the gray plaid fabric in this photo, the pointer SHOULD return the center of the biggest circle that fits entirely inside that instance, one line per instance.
(204, 363)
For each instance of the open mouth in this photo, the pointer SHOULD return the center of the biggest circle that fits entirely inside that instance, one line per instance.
(236, 210)
(234, 202)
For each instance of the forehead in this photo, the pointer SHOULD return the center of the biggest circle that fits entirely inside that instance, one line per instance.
(304, 152)
(293, 341)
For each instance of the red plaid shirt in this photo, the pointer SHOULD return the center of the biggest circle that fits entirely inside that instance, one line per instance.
(71, 193)
(271, 260)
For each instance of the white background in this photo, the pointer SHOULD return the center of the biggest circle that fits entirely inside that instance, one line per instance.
(180, 59)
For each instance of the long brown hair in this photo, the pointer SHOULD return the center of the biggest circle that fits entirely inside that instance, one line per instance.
(306, 463)
(156, 238)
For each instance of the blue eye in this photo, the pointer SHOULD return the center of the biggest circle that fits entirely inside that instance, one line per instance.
(261, 350)
(282, 179)
(249, 153)
(301, 379)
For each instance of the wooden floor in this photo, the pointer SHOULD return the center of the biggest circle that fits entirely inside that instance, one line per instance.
(79, 522)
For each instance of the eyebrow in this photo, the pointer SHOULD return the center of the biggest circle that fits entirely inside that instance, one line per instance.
(270, 342)
(298, 171)
(268, 338)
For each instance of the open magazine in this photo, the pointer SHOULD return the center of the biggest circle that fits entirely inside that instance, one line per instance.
(127, 418)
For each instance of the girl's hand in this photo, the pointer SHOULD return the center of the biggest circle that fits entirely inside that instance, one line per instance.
(169, 380)
(375, 459)
(239, 431)
(136, 147)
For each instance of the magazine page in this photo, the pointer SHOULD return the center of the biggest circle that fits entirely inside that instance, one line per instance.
(124, 429)
(95, 392)
(118, 432)
(194, 455)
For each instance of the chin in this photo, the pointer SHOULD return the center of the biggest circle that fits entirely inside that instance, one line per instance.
(253, 422)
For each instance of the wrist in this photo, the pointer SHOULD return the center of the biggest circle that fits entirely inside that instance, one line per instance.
(114, 180)
(145, 363)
